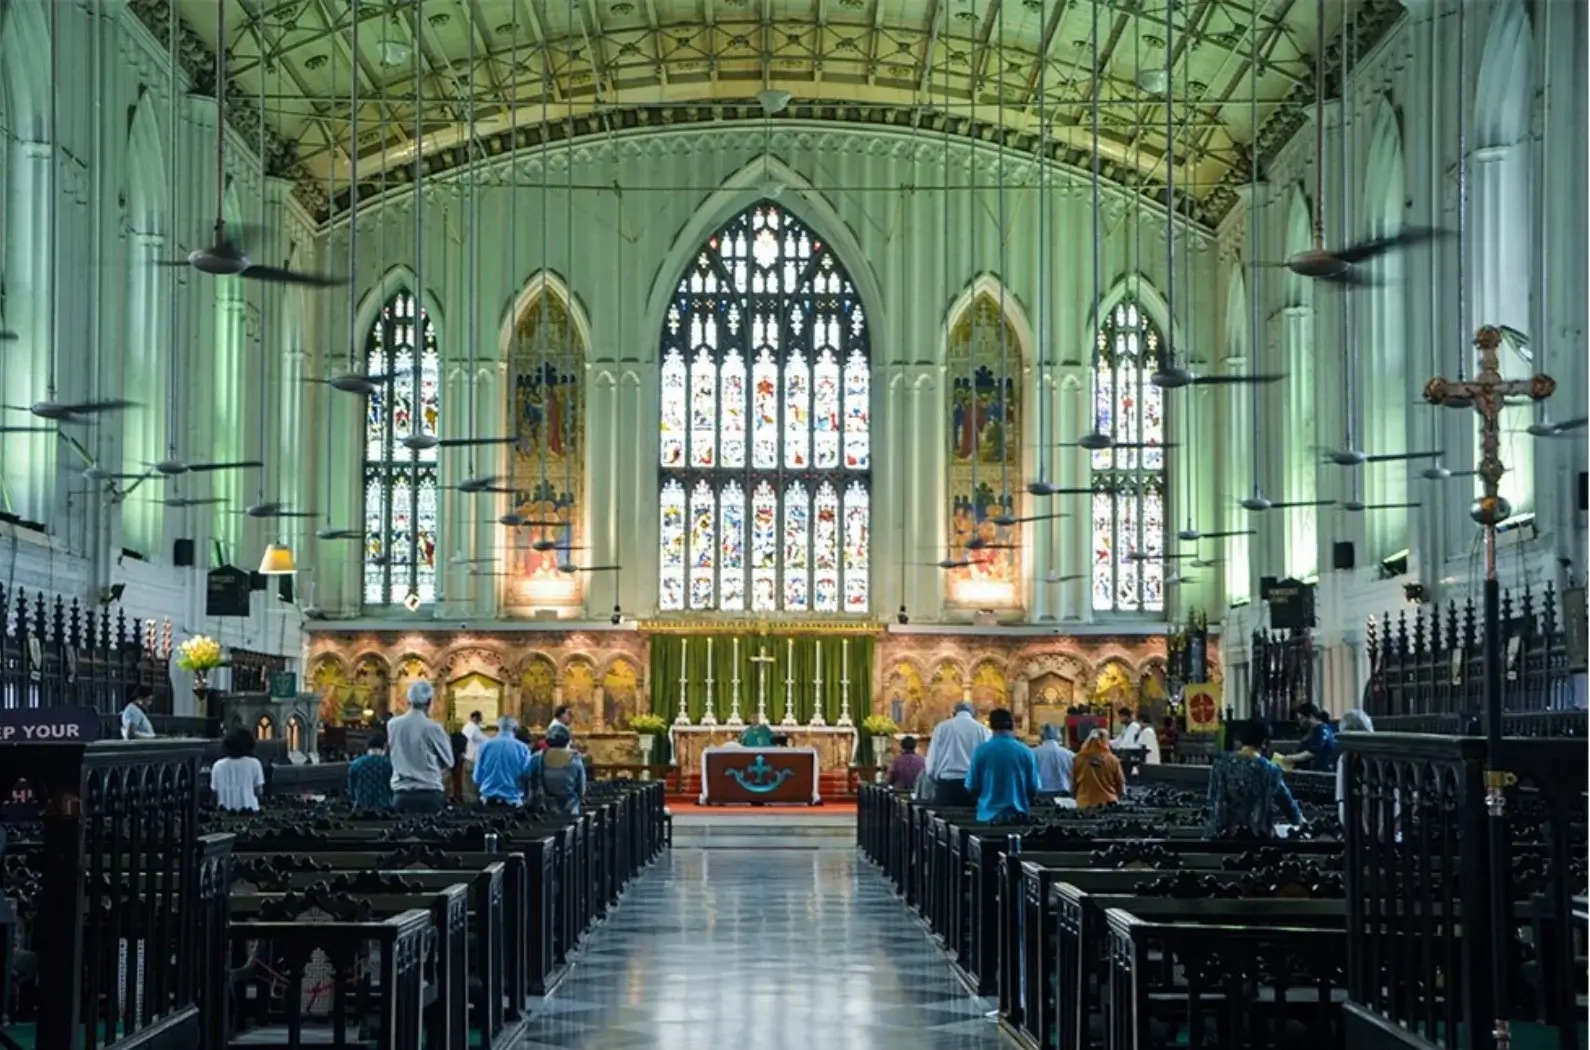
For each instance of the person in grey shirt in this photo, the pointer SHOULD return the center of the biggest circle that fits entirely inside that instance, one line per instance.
(421, 752)
(1054, 763)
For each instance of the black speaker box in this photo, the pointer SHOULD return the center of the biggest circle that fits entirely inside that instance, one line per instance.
(285, 588)
(1342, 555)
(258, 581)
(182, 553)
(1265, 583)
(1584, 490)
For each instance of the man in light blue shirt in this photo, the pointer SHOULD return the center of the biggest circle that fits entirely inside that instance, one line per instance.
(501, 765)
(135, 724)
(1054, 763)
(1003, 776)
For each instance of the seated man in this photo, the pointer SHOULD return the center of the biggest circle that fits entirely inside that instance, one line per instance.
(1247, 794)
(1319, 748)
(557, 775)
(501, 765)
(1003, 775)
(370, 775)
(906, 767)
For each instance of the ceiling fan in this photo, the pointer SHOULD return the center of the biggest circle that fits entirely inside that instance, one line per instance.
(272, 509)
(172, 468)
(1192, 535)
(1005, 521)
(423, 442)
(330, 532)
(63, 412)
(514, 520)
(1437, 472)
(362, 383)
(1358, 506)
(1068, 578)
(975, 544)
(226, 256)
(1258, 503)
(1556, 428)
(1353, 457)
(542, 546)
(191, 501)
(570, 567)
(1172, 377)
(1316, 262)
(1049, 488)
(481, 484)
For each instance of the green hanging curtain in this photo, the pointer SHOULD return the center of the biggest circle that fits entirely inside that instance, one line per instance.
(790, 676)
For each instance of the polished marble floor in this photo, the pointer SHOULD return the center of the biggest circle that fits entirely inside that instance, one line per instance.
(761, 950)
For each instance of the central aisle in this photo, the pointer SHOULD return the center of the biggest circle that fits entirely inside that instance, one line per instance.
(761, 950)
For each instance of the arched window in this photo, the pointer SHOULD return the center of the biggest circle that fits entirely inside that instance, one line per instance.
(1129, 482)
(765, 414)
(400, 483)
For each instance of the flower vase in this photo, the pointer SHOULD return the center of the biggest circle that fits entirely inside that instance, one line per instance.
(880, 750)
(647, 742)
(201, 681)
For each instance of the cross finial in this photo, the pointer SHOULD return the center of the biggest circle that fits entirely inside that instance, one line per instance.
(1487, 391)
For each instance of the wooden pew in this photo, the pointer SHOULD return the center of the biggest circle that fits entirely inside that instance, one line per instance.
(444, 957)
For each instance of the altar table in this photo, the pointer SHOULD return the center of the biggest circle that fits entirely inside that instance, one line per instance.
(759, 775)
(835, 745)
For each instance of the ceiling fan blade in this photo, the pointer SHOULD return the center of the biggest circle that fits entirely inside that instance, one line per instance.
(1222, 534)
(277, 275)
(471, 442)
(88, 408)
(1237, 380)
(240, 465)
(1394, 457)
(1363, 251)
(1351, 278)
(1301, 504)
(27, 430)
(183, 501)
(9, 337)
(1571, 424)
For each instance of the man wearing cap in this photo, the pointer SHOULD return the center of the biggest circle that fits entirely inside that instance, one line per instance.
(557, 775)
(421, 754)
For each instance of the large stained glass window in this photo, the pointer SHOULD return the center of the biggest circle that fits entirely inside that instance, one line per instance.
(765, 413)
(1128, 502)
(400, 503)
(985, 457)
(548, 459)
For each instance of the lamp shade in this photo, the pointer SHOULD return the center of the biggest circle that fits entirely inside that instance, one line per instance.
(278, 561)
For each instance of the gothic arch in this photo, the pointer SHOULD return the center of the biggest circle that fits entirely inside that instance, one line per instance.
(545, 337)
(742, 190)
(984, 415)
(145, 169)
(1147, 296)
(1382, 385)
(1299, 237)
(1504, 88)
(395, 279)
(25, 47)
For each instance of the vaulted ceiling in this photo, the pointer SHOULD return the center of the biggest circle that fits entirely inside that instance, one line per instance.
(571, 67)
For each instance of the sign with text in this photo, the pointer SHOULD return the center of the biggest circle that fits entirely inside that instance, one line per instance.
(1291, 605)
(283, 685)
(49, 725)
(227, 592)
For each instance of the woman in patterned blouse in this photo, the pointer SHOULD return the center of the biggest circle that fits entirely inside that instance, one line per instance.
(1247, 793)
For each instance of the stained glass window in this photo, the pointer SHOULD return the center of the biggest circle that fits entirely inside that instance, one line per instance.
(400, 499)
(1128, 503)
(765, 415)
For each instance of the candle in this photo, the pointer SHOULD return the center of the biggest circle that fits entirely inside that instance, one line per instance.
(817, 690)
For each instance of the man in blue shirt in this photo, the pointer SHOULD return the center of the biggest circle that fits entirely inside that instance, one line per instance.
(1319, 748)
(501, 765)
(1003, 775)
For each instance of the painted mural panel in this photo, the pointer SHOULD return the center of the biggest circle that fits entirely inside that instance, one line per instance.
(537, 692)
(904, 693)
(989, 688)
(984, 363)
(579, 693)
(945, 689)
(548, 477)
(620, 694)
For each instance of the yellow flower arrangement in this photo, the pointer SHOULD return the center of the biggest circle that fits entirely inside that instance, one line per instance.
(199, 653)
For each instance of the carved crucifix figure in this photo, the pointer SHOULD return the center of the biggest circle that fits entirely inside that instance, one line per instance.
(762, 660)
(1488, 391)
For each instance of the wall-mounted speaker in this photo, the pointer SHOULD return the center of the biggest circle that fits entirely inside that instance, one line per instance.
(258, 581)
(1584, 490)
(1342, 555)
(182, 553)
(284, 589)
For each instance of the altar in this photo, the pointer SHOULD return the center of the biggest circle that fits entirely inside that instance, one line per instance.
(759, 776)
(834, 746)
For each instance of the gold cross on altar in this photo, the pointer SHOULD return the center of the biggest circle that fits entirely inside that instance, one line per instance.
(761, 657)
(1487, 391)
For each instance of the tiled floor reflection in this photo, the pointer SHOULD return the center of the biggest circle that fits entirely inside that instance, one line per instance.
(761, 950)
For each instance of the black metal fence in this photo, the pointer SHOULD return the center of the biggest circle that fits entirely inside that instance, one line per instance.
(1283, 675)
(1433, 663)
(59, 653)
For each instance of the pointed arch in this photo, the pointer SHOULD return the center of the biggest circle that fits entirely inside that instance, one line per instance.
(546, 340)
(145, 169)
(400, 483)
(987, 340)
(1238, 449)
(765, 425)
(148, 302)
(1142, 291)
(1128, 483)
(25, 46)
(1504, 88)
(765, 178)
(230, 391)
(1299, 478)
(1383, 388)
(375, 299)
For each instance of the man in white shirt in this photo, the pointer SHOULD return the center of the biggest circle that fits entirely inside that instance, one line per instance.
(950, 755)
(1131, 729)
(1147, 739)
(474, 736)
(421, 753)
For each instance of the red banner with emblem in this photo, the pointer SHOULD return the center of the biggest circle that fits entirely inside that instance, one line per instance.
(1202, 701)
